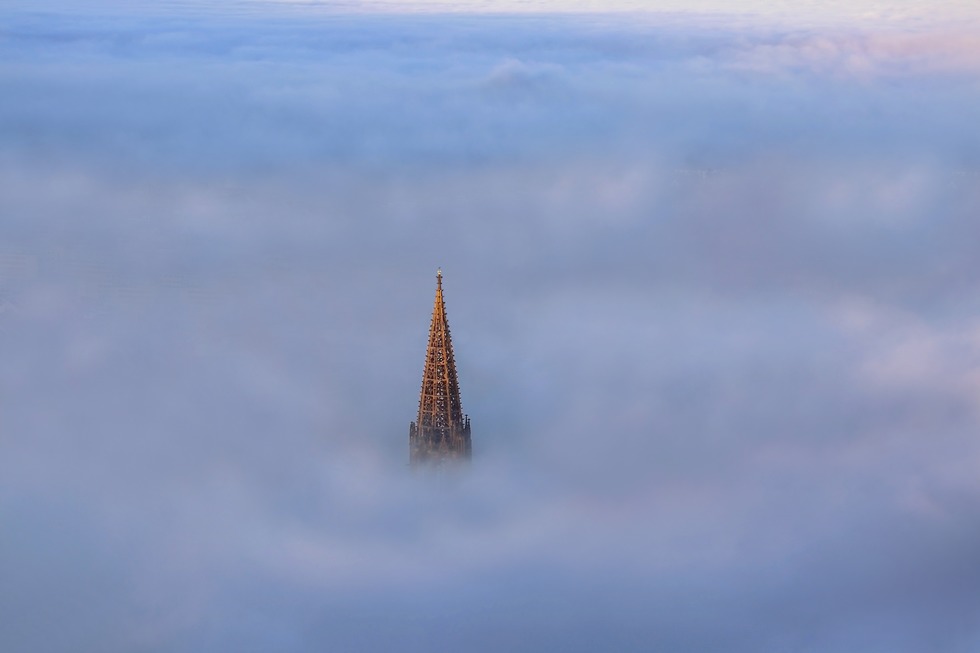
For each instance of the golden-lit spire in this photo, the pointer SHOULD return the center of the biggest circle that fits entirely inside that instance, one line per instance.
(441, 430)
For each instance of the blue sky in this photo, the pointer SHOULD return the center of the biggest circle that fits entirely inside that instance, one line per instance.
(711, 272)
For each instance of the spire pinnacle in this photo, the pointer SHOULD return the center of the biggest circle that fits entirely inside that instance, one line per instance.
(442, 431)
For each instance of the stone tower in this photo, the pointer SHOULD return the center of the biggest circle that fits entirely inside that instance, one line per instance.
(441, 432)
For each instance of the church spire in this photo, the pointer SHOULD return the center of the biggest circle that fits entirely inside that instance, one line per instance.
(441, 431)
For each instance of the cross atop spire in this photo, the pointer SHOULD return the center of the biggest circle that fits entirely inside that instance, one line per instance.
(441, 431)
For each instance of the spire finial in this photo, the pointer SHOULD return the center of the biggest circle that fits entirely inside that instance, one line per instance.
(439, 276)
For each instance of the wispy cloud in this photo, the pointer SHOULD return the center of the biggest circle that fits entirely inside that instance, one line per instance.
(712, 289)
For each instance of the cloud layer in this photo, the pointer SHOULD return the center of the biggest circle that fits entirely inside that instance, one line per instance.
(713, 290)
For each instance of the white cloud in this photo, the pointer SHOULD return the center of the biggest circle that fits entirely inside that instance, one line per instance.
(712, 290)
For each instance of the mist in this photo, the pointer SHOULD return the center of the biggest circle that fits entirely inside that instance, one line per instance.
(712, 278)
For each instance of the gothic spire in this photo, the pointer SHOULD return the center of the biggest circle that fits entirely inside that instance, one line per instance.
(441, 431)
